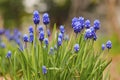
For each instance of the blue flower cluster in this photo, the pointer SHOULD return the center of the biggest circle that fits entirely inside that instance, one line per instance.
(90, 34)
(77, 24)
(36, 17)
(44, 70)
(108, 45)
(8, 55)
(76, 47)
(46, 19)
(25, 38)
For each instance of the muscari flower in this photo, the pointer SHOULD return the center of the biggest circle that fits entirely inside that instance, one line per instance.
(90, 33)
(2, 31)
(40, 28)
(8, 55)
(48, 32)
(44, 70)
(77, 28)
(62, 30)
(103, 46)
(75, 19)
(59, 42)
(87, 24)
(96, 25)
(25, 38)
(46, 19)
(60, 35)
(77, 25)
(31, 29)
(31, 37)
(41, 36)
(81, 20)
(76, 47)
(46, 41)
(36, 17)
(109, 44)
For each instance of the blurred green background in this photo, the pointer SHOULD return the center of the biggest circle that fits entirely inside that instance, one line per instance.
(18, 13)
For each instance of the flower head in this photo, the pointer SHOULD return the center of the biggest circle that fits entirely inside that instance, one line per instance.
(81, 20)
(77, 28)
(25, 38)
(46, 41)
(62, 30)
(90, 33)
(30, 29)
(31, 37)
(60, 35)
(2, 31)
(41, 36)
(59, 42)
(8, 55)
(76, 47)
(48, 32)
(44, 70)
(73, 21)
(109, 44)
(103, 46)
(96, 24)
(40, 28)
(46, 19)
(87, 24)
(36, 17)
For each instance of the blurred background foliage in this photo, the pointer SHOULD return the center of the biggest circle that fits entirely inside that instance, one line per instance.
(17, 14)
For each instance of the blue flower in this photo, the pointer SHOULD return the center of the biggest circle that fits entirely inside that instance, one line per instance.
(73, 21)
(48, 32)
(44, 70)
(2, 31)
(41, 36)
(76, 47)
(31, 37)
(60, 35)
(96, 25)
(46, 41)
(103, 46)
(59, 42)
(31, 29)
(40, 28)
(109, 44)
(90, 33)
(2, 45)
(8, 55)
(81, 20)
(87, 24)
(25, 38)
(36, 17)
(62, 30)
(77, 28)
(46, 19)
